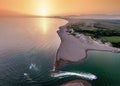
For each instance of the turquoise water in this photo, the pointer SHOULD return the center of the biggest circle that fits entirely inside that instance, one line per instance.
(27, 52)
(102, 64)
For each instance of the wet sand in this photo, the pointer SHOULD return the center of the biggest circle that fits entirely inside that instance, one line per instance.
(77, 83)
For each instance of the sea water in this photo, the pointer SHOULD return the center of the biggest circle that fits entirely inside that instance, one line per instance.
(27, 52)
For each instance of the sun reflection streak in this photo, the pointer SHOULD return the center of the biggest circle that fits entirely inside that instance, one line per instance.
(44, 25)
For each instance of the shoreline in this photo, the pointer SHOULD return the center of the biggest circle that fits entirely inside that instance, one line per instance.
(77, 83)
(73, 50)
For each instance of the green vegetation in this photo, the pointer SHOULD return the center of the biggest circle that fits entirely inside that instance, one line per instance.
(115, 40)
(116, 44)
(111, 39)
(107, 30)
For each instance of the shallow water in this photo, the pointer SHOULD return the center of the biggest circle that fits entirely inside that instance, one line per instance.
(104, 65)
(27, 51)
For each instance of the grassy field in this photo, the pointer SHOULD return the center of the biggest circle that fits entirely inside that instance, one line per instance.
(107, 30)
(114, 39)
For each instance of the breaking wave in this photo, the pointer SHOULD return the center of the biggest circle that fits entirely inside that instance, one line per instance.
(63, 74)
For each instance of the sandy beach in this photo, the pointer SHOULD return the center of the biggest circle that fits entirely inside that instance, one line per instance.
(74, 49)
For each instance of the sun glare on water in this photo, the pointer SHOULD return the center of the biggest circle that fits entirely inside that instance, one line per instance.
(42, 24)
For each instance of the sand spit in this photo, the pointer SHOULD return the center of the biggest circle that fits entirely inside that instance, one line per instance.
(74, 49)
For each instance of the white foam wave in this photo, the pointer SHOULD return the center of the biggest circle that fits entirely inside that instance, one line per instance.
(33, 66)
(80, 74)
(28, 77)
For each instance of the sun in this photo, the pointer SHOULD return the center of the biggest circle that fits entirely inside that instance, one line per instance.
(44, 12)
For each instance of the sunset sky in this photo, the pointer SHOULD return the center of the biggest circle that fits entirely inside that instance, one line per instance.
(61, 7)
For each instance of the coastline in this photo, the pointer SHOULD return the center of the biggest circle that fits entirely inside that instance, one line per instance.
(77, 83)
(73, 49)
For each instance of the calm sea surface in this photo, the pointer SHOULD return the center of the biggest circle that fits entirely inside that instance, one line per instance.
(27, 51)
